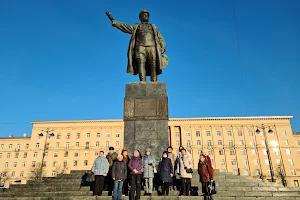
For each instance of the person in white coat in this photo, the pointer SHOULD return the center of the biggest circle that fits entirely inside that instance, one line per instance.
(186, 164)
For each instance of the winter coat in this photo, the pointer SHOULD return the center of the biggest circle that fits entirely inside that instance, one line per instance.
(207, 158)
(135, 163)
(112, 158)
(185, 161)
(148, 166)
(205, 171)
(171, 155)
(119, 170)
(165, 168)
(101, 166)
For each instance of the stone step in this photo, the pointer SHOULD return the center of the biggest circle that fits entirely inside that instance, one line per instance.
(47, 188)
(46, 194)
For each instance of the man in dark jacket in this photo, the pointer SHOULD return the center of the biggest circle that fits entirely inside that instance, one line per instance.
(119, 174)
(111, 157)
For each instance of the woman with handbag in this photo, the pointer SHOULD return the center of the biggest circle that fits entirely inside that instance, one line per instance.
(186, 165)
(206, 175)
(148, 171)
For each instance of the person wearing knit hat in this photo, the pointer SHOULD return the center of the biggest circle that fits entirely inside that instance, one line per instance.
(148, 169)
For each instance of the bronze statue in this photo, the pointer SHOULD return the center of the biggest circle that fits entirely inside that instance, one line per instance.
(146, 47)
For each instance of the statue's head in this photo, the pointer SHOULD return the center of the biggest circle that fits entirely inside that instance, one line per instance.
(144, 16)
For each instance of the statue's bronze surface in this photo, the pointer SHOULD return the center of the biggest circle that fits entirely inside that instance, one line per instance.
(146, 47)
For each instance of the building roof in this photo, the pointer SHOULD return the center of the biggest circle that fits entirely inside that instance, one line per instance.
(17, 137)
(171, 119)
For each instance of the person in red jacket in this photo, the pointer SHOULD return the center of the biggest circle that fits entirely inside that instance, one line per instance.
(207, 158)
(206, 174)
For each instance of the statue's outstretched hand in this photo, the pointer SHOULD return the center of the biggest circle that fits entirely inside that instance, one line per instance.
(109, 15)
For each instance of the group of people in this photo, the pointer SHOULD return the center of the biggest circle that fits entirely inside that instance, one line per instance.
(124, 175)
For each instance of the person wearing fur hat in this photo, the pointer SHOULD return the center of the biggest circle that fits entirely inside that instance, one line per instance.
(148, 169)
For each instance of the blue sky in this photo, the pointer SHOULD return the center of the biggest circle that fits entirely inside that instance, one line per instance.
(62, 60)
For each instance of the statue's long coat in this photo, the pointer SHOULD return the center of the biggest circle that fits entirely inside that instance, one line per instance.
(161, 59)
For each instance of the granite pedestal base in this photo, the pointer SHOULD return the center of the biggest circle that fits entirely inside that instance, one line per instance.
(146, 118)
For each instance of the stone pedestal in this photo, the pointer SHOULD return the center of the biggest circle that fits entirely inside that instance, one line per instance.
(146, 118)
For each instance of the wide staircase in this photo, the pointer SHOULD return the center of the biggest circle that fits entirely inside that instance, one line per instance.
(74, 186)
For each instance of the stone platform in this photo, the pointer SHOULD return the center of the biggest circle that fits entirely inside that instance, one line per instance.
(146, 118)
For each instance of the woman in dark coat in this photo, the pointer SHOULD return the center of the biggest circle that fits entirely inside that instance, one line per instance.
(126, 182)
(165, 170)
(206, 174)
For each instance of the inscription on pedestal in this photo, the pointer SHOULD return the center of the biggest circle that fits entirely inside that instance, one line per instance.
(145, 107)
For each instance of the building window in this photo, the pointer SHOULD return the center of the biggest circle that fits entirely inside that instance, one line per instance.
(232, 152)
(257, 172)
(263, 143)
(222, 162)
(207, 133)
(298, 152)
(117, 135)
(67, 145)
(77, 144)
(220, 142)
(6, 164)
(265, 152)
(77, 135)
(199, 152)
(37, 145)
(241, 142)
(288, 152)
(230, 143)
(53, 173)
(229, 133)
(88, 135)
(178, 143)
(188, 143)
(176, 134)
(107, 144)
(2, 146)
(286, 142)
(298, 142)
(209, 143)
(108, 135)
(96, 153)
(240, 133)
(291, 161)
(276, 151)
(278, 161)
(26, 146)
(13, 174)
(210, 152)
(10, 146)
(250, 132)
(198, 133)
(86, 153)
(198, 142)
(68, 135)
(35, 154)
(283, 132)
(255, 161)
(15, 164)
(293, 172)
(97, 144)
(267, 161)
(58, 136)
(85, 163)
(33, 163)
(54, 163)
(234, 171)
(117, 143)
(17, 155)
(246, 172)
(252, 143)
(8, 155)
(25, 155)
(23, 164)
(221, 152)
(87, 145)
(44, 163)
(21, 174)
(0, 155)
(272, 133)
(188, 134)
(55, 154)
(219, 133)
(97, 135)
(75, 163)
(244, 161)
(75, 154)
(243, 152)
(57, 145)
(296, 183)
(65, 164)
(18, 146)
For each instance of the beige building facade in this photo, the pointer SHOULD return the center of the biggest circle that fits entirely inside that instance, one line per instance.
(237, 145)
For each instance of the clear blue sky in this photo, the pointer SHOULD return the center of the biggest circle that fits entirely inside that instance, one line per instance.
(62, 60)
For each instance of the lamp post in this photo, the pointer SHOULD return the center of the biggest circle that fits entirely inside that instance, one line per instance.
(47, 131)
(263, 127)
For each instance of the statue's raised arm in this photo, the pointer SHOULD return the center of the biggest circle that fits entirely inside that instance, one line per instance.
(126, 28)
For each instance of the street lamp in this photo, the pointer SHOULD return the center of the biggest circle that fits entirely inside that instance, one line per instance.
(263, 127)
(49, 133)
